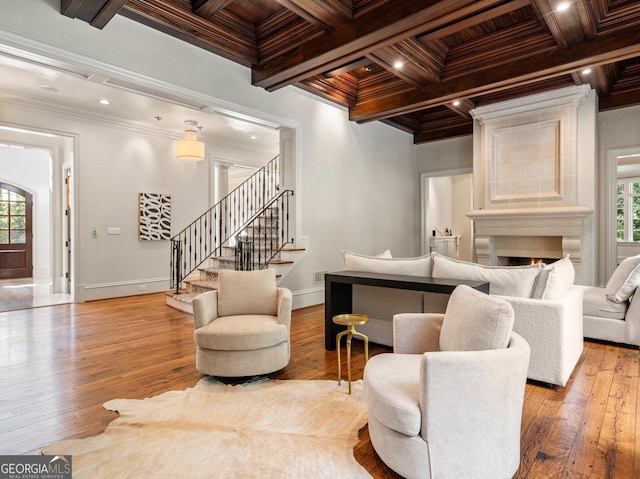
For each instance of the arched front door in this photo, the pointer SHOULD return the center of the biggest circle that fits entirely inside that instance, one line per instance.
(15, 232)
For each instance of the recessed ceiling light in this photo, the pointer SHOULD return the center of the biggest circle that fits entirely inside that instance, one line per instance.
(369, 68)
(456, 103)
(49, 89)
(397, 65)
(104, 101)
(586, 71)
(563, 6)
(253, 137)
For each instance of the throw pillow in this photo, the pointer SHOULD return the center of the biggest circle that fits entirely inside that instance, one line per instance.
(247, 292)
(420, 266)
(515, 281)
(475, 321)
(555, 280)
(624, 280)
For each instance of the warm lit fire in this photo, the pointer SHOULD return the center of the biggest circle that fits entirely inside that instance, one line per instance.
(536, 261)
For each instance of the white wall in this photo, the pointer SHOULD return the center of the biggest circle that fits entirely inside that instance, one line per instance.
(30, 169)
(446, 155)
(357, 187)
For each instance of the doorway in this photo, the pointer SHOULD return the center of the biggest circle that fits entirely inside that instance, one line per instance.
(32, 219)
(16, 213)
(446, 199)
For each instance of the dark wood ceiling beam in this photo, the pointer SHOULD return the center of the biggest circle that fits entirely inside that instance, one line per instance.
(209, 8)
(322, 14)
(384, 26)
(96, 13)
(215, 37)
(606, 49)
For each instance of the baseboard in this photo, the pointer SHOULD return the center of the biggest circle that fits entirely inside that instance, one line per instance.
(308, 297)
(90, 292)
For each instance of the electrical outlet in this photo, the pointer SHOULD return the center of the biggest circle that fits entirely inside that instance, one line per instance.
(318, 276)
(142, 287)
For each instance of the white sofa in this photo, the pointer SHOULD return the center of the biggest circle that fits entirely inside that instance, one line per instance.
(547, 306)
(612, 313)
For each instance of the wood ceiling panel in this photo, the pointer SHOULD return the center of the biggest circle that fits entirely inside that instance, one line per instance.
(477, 52)
(254, 11)
(613, 47)
(326, 14)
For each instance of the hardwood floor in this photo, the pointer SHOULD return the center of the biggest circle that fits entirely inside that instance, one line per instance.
(59, 364)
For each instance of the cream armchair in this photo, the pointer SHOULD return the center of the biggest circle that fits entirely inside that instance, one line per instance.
(447, 403)
(243, 328)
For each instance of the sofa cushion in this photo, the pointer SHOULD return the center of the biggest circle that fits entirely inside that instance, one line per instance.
(420, 266)
(554, 280)
(595, 303)
(624, 280)
(247, 292)
(475, 321)
(392, 391)
(257, 332)
(504, 280)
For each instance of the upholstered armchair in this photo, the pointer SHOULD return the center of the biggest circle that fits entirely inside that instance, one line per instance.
(243, 328)
(447, 403)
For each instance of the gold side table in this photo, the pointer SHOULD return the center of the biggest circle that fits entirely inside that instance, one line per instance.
(350, 320)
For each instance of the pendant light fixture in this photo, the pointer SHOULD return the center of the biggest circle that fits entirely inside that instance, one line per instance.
(189, 148)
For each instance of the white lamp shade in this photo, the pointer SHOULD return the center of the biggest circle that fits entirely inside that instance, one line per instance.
(189, 148)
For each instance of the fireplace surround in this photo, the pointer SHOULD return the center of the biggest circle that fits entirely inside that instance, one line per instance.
(534, 179)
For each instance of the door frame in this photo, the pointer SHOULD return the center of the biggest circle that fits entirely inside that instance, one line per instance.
(28, 230)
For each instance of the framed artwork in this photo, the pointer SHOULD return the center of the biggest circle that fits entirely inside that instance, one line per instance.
(154, 216)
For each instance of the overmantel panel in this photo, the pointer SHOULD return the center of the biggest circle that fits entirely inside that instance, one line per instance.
(526, 152)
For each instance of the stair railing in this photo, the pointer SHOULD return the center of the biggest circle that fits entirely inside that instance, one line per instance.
(206, 236)
(264, 236)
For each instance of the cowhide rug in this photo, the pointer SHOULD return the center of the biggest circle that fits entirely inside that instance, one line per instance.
(265, 429)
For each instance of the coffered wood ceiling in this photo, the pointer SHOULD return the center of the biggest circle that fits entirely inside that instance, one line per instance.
(472, 52)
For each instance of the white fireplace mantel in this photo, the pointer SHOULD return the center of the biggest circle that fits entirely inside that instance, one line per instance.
(559, 221)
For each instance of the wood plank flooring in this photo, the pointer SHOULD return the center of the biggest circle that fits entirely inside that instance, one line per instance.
(59, 364)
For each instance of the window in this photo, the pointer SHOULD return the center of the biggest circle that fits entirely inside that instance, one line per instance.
(13, 217)
(628, 210)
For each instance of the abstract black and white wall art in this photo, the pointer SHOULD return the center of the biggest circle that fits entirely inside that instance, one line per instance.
(154, 217)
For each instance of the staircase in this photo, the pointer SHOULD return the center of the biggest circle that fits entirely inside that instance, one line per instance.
(246, 230)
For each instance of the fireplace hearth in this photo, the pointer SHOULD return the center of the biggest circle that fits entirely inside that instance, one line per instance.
(523, 261)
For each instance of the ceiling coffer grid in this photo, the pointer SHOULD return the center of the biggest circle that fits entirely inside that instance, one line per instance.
(475, 52)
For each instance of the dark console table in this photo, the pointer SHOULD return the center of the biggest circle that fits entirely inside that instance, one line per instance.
(338, 292)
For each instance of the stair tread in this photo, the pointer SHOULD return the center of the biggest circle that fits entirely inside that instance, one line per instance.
(184, 297)
(202, 282)
(280, 261)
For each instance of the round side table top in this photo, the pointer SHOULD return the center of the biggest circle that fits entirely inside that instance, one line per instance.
(351, 319)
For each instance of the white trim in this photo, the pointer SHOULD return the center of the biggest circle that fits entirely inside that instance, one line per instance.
(609, 250)
(126, 283)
